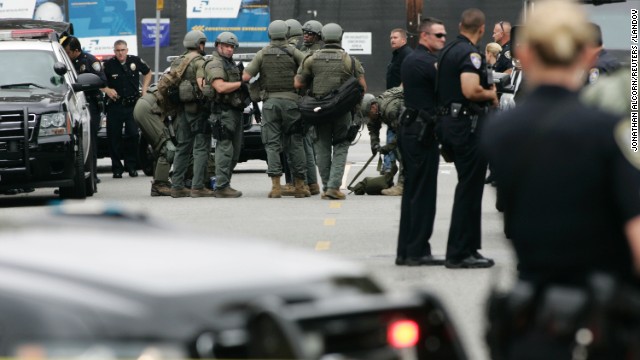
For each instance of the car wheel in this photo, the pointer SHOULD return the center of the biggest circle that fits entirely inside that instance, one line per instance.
(90, 180)
(78, 190)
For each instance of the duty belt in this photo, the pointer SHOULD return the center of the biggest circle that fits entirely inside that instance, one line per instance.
(457, 109)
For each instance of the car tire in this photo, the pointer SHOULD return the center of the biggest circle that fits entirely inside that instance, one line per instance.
(78, 190)
(90, 175)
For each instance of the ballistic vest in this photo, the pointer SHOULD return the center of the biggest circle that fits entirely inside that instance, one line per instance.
(232, 74)
(278, 69)
(329, 70)
(391, 103)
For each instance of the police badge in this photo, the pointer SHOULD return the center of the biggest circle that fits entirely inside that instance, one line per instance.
(507, 54)
(476, 60)
(82, 68)
(594, 74)
(133, 66)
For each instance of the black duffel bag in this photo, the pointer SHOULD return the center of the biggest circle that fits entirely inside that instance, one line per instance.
(317, 110)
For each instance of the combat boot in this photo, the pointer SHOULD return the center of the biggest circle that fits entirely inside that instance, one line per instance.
(227, 192)
(275, 187)
(300, 192)
(204, 192)
(393, 191)
(179, 193)
(288, 190)
(333, 194)
(159, 188)
(314, 189)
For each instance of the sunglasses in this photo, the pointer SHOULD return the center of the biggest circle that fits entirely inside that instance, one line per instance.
(310, 33)
(501, 27)
(438, 35)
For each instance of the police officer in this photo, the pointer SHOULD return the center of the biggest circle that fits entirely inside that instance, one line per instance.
(328, 68)
(311, 36)
(228, 99)
(502, 35)
(294, 33)
(385, 109)
(193, 130)
(148, 117)
(605, 63)
(463, 97)
(572, 184)
(84, 62)
(277, 64)
(123, 90)
(418, 148)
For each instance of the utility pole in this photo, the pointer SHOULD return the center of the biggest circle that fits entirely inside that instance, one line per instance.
(414, 14)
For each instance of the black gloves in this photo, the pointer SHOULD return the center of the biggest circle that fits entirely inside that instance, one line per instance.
(375, 147)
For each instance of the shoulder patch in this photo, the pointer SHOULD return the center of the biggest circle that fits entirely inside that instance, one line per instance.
(507, 54)
(133, 66)
(622, 135)
(82, 68)
(96, 66)
(476, 60)
(594, 74)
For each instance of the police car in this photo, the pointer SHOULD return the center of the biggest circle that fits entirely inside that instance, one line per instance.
(44, 118)
(112, 283)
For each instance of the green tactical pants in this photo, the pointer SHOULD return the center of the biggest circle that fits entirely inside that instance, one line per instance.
(331, 149)
(189, 142)
(282, 129)
(228, 149)
(163, 163)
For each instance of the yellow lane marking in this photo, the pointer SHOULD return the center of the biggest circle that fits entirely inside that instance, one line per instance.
(329, 222)
(335, 205)
(323, 245)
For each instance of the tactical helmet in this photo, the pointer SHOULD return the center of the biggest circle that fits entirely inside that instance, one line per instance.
(228, 38)
(295, 29)
(365, 105)
(312, 26)
(332, 33)
(278, 30)
(193, 39)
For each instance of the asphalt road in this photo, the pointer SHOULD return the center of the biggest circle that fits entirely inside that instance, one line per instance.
(362, 228)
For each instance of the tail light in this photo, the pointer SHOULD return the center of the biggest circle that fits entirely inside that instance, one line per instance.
(403, 334)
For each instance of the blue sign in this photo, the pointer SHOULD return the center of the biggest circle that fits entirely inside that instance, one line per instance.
(149, 32)
(247, 19)
(103, 17)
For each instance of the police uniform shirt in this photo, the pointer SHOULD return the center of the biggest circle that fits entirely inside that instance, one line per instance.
(418, 79)
(461, 57)
(504, 62)
(393, 69)
(125, 78)
(605, 65)
(87, 63)
(569, 183)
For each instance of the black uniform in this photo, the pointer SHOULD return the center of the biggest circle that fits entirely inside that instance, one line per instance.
(125, 79)
(87, 63)
(420, 158)
(504, 62)
(458, 132)
(569, 191)
(605, 65)
(393, 69)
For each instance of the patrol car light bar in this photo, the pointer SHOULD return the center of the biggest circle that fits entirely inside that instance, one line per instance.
(26, 34)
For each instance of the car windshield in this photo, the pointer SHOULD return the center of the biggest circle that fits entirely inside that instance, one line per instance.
(34, 69)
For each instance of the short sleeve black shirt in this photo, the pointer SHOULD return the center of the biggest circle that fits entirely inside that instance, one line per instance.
(87, 63)
(568, 185)
(393, 69)
(418, 79)
(456, 58)
(504, 62)
(125, 78)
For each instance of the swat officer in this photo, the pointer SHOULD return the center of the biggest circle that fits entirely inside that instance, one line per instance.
(385, 109)
(311, 36)
(193, 130)
(277, 64)
(463, 97)
(419, 149)
(123, 83)
(149, 118)
(84, 62)
(294, 33)
(605, 63)
(228, 95)
(567, 221)
(328, 68)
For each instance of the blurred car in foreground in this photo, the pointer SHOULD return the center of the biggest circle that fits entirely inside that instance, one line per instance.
(113, 284)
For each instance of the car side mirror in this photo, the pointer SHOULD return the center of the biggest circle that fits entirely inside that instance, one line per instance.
(87, 81)
(60, 68)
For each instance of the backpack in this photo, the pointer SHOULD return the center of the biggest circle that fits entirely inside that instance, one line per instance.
(317, 110)
(168, 86)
